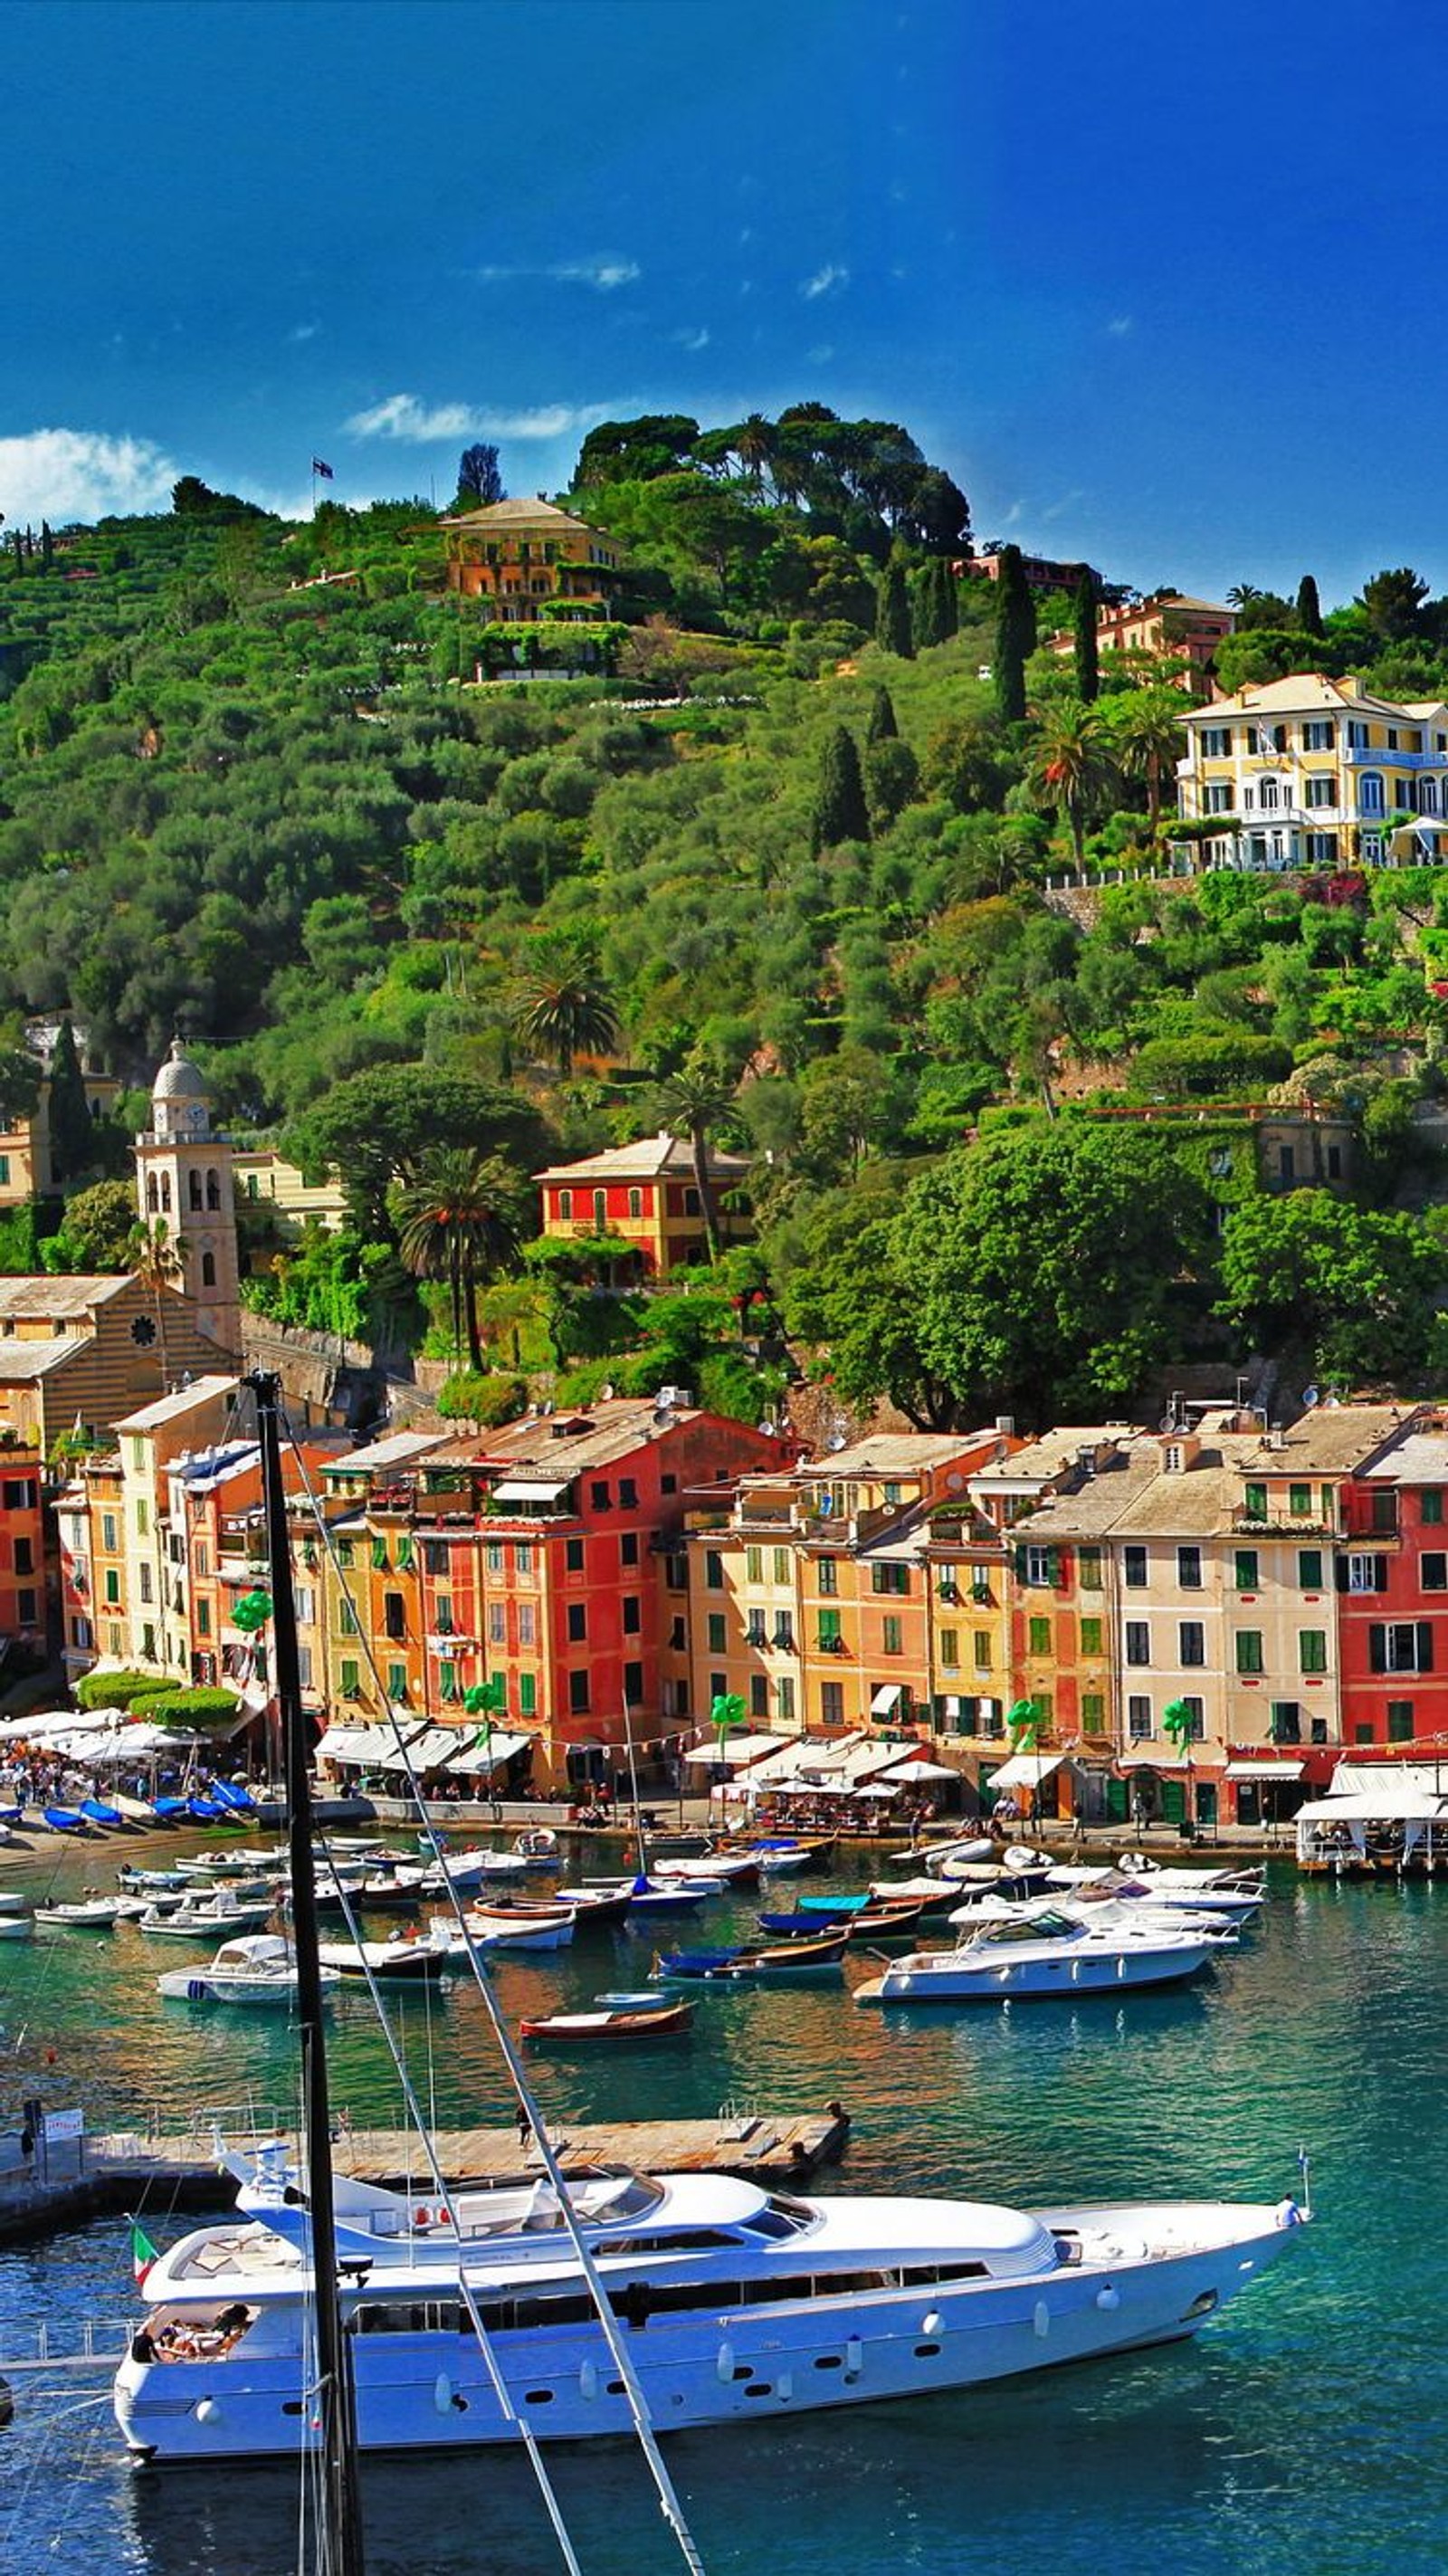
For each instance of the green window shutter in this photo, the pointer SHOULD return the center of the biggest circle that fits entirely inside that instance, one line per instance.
(1053, 1568)
(527, 1695)
(404, 1552)
(379, 1555)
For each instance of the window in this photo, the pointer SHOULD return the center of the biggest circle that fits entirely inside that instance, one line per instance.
(635, 1203)
(890, 1578)
(203, 1618)
(1191, 1642)
(784, 1632)
(394, 1614)
(1299, 1500)
(1433, 1572)
(832, 1703)
(108, 1532)
(713, 1569)
(1254, 1502)
(1091, 1642)
(1216, 742)
(1366, 1573)
(523, 1558)
(980, 1649)
(1039, 1565)
(565, 1203)
(1138, 1641)
(1196, 1719)
(1384, 1514)
(1400, 1721)
(668, 1482)
(527, 1694)
(600, 1495)
(1321, 735)
(1189, 1569)
(950, 1649)
(577, 1623)
(781, 1565)
(1430, 1506)
(145, 1572)
(573, 1556)
(1247, 1569)
(492, 1557)
(1040, 1636)
(1309, 1569)
(892, 1643)
(208, 1270)
(759, 1694)
(1219, 797)
(397, 1681)
(754, 1628)
(829, 1574)
(1088, 1568)
(351, 1678)
(1370, 793)
(754, 1565)
(632, 1614)
(346, 1619)
(143, 1518)
(1401, 1646)
(600, 1211)
(527, 1624)
(786, 1699)
(1133, 1568)
(578, 1694)
(1322, 790)
(1312, 1650)
(633, 1684)
(497, 1623)
(1138, 1719)
(829, 1632)
(25, 1559)
(1286, 1724)
(113, 1587)
(1249, 1651)
(1093, 1713)
(628, 1548)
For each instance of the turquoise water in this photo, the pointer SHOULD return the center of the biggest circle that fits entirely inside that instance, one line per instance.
(1301, 2431)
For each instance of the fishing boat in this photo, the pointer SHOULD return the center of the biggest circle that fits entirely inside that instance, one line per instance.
(1042, 1956)
(500, 1930)
(260, 1968)
(613, 2017)
(86, 1914)
(462, 2321)
(861, 1923)
(764, 1963)
(404, 1958)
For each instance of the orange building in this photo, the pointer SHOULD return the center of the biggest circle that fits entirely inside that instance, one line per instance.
(22, 1550)
(529, 560)
(1168, 627)
(647, 1194)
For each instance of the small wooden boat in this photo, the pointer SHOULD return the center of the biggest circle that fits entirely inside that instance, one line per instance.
(13, 1900)
(88, 1914)
(762, 1964)
(406, 1958)
(712, 1870)
(660, 2018)
(503, 1929)
(862, 1923)
(16, 1927)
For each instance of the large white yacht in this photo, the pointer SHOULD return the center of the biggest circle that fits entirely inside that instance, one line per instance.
(736, 2303)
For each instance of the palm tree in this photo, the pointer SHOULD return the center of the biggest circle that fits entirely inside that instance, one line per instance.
(158, 1260)
(1073, 765)
(754, 444)
(693, 1102)
(1148, 733)
(460, 1221)
(563, 1009)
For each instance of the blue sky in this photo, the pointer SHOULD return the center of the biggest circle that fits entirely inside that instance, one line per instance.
(1159, 287)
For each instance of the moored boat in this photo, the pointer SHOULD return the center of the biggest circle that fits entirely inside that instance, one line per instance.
(760, 1963)
(656, 2017)
(1039, 1955)
(259, 1968)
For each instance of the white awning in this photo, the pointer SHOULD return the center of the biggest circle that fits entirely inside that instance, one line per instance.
(886, 1698)
(739, 1750)
(344, 1743)
(531, 1490)
(1026, 1770)
(425, 1752)
(913, 1770)
(1393, 1808)
(890, 1788)
(1264, 1770)
(488, 1753)
(1154, 1762)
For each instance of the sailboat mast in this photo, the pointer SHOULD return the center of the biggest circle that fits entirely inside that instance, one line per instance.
(341, 2535)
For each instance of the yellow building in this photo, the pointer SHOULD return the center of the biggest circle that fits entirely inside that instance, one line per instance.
(80, 1349)
(264, 1178)
(529, 560)
(157, 1570)
(28, 1168)
(1311, 772)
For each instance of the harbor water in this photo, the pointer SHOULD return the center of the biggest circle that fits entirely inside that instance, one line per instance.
(1301, 2431)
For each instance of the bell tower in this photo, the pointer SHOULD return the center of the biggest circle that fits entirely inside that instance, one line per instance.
(184, 1192)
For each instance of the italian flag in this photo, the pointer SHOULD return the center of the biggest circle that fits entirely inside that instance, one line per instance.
(143, 2254)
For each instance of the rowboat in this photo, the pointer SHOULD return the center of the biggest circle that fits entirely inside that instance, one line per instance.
(87, 1914)
(660, 2018)
(762, 1964)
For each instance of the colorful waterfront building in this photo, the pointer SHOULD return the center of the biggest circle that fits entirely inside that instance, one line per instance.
(648, 1195)
(24, 1569)
(1392, 1597)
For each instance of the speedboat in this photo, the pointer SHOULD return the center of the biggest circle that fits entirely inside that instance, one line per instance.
(193, 1921)
(1236, 1892)
(502, 1930)
(735, 2303)
(404, 1958)
(87, 1914)
(260, 1968)
(1042, 1955)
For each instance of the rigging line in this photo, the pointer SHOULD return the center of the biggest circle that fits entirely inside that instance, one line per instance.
(638, 2405)
(445, 2196)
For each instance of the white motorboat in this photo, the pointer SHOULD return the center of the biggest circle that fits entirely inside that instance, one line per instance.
(86, 1914)
(404, 1958)
(504, 1931)
(468, 1869)
(1099, 1909)
(713, 1871)
(1237, 1894)
(735, 2304)
(260, 1968)
(204, 1920)
(1046, 1954)
(13, 1900)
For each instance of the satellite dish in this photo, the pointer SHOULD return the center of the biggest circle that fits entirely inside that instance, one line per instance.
(836, 1440)
(954, 1482)
(826, 1506)
(1310, 1397)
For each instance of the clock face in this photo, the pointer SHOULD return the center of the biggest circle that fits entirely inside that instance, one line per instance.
(143, 1331)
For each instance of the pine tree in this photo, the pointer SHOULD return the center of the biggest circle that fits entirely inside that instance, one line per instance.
(1015, 635)
(880, 725)
(1309, 607)
(892, 614)
(1088, 662)
(841, 813)
(72, 1138)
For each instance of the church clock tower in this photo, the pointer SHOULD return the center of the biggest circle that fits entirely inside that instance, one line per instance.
(184, 1191)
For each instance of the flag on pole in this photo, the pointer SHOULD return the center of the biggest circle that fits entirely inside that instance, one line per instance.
(319, 468)
(143, 2254)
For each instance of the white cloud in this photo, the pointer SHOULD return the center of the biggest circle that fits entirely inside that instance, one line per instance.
(604, 274)
(693, 340)
(1120, 326)
(1067, 501)
(825, 281)
(404, 416)
(61, 474)
(299, 332)
(821, 354)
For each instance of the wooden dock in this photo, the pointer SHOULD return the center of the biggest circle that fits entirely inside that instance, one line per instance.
(128, 2173)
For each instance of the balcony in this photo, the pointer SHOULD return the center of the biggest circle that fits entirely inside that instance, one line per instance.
(1429, 761)
(1284, 1525)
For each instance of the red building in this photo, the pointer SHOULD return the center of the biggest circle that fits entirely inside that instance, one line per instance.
(647, 1194)
(1392, 1596)
(22, 1550)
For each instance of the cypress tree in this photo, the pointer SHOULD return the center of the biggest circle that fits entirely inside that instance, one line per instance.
(949, 590)
(1088, 661)
(1015, 637)
(880, 725)
(72, 1138)
(1309, 606)
(925, 609)
(841, 813)
(47, 545)
(892, 613)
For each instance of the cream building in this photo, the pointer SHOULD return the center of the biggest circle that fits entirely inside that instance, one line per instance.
(1312, 772)
(156, 1582)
